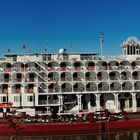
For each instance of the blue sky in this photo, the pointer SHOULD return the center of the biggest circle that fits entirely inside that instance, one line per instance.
(60, 22)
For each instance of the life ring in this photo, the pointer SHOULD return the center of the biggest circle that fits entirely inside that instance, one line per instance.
(80, 115)
(14, 120)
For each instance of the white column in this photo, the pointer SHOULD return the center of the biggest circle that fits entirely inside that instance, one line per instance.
(79, 102)
(35, 89)
(22, 90)
(61, 103)
(98, 101)
(116, 102)
(126, 50)
(9, 93)
(9, 90)
(36, 100)
(134, 105)
(127, 103)
(47, 110)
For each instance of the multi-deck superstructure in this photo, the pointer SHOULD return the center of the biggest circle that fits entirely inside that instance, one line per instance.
(71, 83)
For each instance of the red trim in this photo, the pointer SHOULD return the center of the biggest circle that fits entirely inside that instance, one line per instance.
(6, 104)
(78, 127)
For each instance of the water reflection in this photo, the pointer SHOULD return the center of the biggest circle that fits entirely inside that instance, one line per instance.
(108, 136)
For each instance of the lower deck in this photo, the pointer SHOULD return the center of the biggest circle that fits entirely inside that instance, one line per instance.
(72, 103)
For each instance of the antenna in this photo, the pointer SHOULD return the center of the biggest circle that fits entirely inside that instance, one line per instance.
(101, 43)
(46, 47)
(71, 46)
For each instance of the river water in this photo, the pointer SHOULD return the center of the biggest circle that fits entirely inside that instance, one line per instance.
(127, 135)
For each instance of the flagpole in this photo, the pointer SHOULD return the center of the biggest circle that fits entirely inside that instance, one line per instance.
(24, 48)
(71, 46)
(46, 47)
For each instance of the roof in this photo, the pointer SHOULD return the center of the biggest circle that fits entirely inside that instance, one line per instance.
(132, 41)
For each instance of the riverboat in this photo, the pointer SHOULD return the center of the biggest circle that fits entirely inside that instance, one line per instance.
(67, 83)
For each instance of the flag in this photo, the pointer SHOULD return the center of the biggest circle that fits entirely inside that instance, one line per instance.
(23, 46)
(8, 50)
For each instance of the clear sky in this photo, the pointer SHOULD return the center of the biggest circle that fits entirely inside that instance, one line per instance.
(57, 23)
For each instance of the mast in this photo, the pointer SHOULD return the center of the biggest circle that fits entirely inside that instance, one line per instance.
(101, 43)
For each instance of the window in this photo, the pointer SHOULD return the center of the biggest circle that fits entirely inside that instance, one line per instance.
(16, 99)
(4, 99)
(30, 99)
